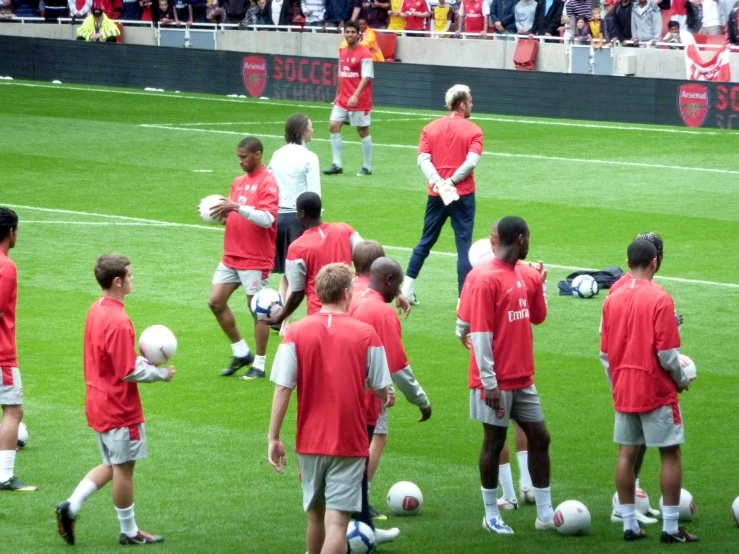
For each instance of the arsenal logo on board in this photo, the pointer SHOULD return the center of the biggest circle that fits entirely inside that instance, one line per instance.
(255, 75)
(693, 102)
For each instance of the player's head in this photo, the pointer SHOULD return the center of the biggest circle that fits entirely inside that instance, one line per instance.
(249, 153)
(513, 236)
(309, 207)
(658, 243)
(459, 99)
(298, 129)
(113, 273)
(351, 32)
(495, 237)
(364, 254)
(641, 256)
(334, 286)
(8, 227)
(386, 277)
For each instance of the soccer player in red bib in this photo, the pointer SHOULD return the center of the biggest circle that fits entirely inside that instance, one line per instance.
(330, 358)
(112, 402)
(353, 103)
(502, 368)
(449, 150)
(473, 17)
(250, 215)
(640, 344)
(417, 14)
(11, 387)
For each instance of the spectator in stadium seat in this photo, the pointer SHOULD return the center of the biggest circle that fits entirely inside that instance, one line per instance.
(713, 17)
(182, 13)
(582, 31)
(396, 21)
(98, 28)
(54, 9)
(235, 10)
(258, 13)
(525, 13)
(314, 12)
(578, 8)
(548, 17)
(375, 13)
(676, 35)
(79, 9)
(503, 16)
(25, 8)
(693, 15)
(338, 11)
(646, 22)
(213, 12)
(287, 12)
(6, 9)
(597, 29)
(622, 21)
(609, 21)
(131, 10)
(732, 25)
(165, 15)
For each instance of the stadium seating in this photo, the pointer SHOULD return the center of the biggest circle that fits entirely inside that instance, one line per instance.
(387, 43)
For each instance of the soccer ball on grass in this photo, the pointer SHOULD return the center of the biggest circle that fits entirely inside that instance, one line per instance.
(360, 538)
(572, 518)
(404, 499)
(584, 286)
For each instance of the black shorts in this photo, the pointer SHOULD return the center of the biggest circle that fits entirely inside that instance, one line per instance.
(288, 229)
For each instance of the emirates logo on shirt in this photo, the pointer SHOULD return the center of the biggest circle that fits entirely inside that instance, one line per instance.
(254, 70)
(349, 74)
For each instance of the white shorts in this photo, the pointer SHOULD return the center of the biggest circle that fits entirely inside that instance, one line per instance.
(122, 445)
(659, 428)
(381, 426)
(332, 481)
(355, 119)
(11, 386)
(253, 280)
(519, 405)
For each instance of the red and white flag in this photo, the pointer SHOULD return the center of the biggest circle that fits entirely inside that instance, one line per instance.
(715, 69)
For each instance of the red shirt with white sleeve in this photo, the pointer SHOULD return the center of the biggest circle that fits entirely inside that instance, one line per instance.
(109, 356)
(246, 245)
(413, 23)
(331, 358)
(475, 12)
(8, 303)
(354, 65)
(448, 140)
(638, 323)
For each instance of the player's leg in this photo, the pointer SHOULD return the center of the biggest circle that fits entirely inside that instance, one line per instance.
(316, 533)
(629, 435)
(335, 522)
(11, 400)
(433, 222)
(378, 441)
(67, 511)
(253, 281)
(522, 454)
(289, 229)
(505, 478)
(462, 213)
(338, 117)
(363, 130)
(651, 515)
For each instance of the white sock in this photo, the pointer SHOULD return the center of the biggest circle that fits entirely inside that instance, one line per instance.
(7, 464)
(670, 515)
(240, 349)
(128, 523)
(260, 362)
(367, 150)
(617, 506)
(336, 148)
(505, 480)
(628, 512)
(490, 500)
(84, 490)
(544, 503)
(523, 469)
(407, 287)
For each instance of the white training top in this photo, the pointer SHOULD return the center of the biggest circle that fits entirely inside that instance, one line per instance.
(296, 170)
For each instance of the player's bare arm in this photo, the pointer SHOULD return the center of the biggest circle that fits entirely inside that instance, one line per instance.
(354, 100)
(276, 451)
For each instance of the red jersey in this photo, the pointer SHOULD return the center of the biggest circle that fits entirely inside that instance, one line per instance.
(8, 303)
(246, 245)
(330, 358)
(361, 284)
(326, 244)
(110, 355)
(354, 65)
(413, 23)
(638, 322)
(475, 12)
(449, 140)
(623, 280)
(679, 7)
(502, 302)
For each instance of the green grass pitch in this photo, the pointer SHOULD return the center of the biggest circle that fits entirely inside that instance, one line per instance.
(71, 158)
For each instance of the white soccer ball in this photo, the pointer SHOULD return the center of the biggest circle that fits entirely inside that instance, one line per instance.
(735, 510)
(688, 367)
(687, 506)
(481, 251)
(266, 303)
(404, 499)
(584, 286)
(22, 435)
(206, 205)
(157, 344)
(641, 503)
(572, 518)
(360, 538)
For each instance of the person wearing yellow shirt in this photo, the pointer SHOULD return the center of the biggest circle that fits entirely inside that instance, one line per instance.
(368, 38)
(98, 28)
(443, 15)
(397, 20)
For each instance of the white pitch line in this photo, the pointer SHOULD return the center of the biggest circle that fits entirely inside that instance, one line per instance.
(159, 223)
(496, 154)
(102, 223)
(221, 123)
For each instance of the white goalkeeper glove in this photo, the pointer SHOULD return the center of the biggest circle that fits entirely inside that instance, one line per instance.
(446, 189)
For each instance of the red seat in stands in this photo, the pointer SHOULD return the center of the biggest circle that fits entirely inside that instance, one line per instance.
(387, 43)
(119, 38)
(701, 39)
(665, 21)
(716, 39)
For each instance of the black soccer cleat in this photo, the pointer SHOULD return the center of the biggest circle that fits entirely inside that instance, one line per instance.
(237, 363)
(65, 522)
(681, 536)
(364, 172)
(13, 484)
(141, 538)
(333, 170)
(631, 536)
(253, 373)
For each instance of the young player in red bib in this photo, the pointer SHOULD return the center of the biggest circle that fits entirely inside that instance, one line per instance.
(640, 344)
(353, 103)
(11, 387)
(330, 358)
(112, 402)
(473, 17)
(250, 215)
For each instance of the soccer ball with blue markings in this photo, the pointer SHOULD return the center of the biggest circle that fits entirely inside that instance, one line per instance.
(266, 303)
(584, 286)
(360, 538)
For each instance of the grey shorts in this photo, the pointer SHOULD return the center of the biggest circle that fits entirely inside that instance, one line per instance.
(253, 280)
(332, 481)
(355, 119)
(381, 425)
(122, 445)
(520, 405)
(659, 428)
(11, 386)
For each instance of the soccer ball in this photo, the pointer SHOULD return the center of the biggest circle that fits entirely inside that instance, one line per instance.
(735, 510)
(266, 303)
(584, 286)
(22, 435)
(360, 538)
(688, 367)
(687, 506)
(481, 251)
(157, 344)
(572, 518)
(404, 499)
(641, 503)
(206, 205)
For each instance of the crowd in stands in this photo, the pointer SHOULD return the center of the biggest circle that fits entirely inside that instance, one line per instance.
(629, 22)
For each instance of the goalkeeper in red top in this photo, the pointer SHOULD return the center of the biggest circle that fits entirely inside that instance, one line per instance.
(353, 103)
(449, 151)
(639, 345)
